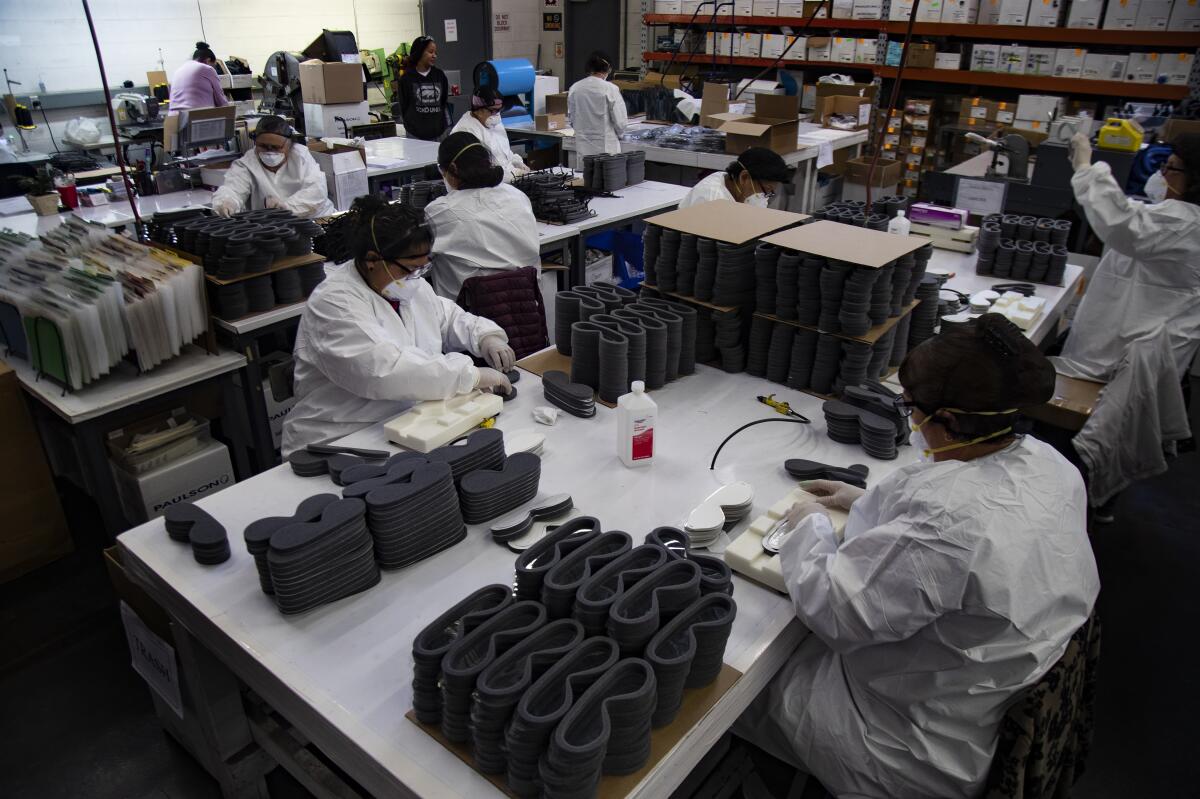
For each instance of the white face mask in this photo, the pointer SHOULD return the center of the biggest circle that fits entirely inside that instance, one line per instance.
(758, 200)
(271, 160)
(493, 121)
(403, 290)
(917, 439)
(1156, 187)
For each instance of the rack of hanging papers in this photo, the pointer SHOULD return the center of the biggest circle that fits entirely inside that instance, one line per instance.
(79, 300)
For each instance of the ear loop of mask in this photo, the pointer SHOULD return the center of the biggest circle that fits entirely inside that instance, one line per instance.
(375, 241)
(929, 453)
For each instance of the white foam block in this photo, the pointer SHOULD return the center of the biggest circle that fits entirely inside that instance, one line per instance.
(428, 425)
(746, 555)
(1021, 310)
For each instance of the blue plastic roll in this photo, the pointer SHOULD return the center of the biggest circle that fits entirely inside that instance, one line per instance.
(508, 76)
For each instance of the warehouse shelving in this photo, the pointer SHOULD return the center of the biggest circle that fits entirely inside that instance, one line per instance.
(1046, 83)
(707, 58)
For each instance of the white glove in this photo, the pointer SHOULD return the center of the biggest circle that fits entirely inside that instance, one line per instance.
(493, 381)
(273, 202)
(224, 207)
(809, 508)
(1080, 150)
(497, 353)
(833, 493)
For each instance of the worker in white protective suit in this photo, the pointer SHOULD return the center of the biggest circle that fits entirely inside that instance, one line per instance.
(484, 123)
(957, 585)
(596, 110)
(277, 173)
(482, 224)
(1149, 276)
(752, 178)
(374, 339)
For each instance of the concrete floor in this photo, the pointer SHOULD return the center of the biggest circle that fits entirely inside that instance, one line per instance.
(77, 721)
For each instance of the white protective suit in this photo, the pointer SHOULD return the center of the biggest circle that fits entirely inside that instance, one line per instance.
(479, 230)
(299, 184)
(496, 140)
(1148, 278)
(359, 362)
(957, 585)
(596, 111)
(709, 189)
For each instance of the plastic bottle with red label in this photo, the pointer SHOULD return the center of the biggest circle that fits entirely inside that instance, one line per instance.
(636, 418)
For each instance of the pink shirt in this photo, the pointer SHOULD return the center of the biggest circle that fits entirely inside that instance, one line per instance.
(196, 85)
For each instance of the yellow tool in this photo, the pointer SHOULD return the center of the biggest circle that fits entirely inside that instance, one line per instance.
(1123, 135)
(487, 424)
(780, 406)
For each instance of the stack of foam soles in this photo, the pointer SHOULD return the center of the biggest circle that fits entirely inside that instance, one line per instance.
(612, 172)
(488, 493)
(320, 561)
(925, 315)
(258, 534)
(651, 238)
(706, 268)
(848, 424)
(733, 285)
(665, 265)
(727, 340)
(192, 525)
(1023, 248)
(415, 519)
(686, 264)
(768, 285)
(576, 399)
(529, 683)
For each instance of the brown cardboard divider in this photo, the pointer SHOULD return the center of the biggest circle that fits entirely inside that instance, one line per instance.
(870, 337)
(551, 360)
(1072, 404)
(730, 222)
(856, 245)
(697, 702)
(715, 101)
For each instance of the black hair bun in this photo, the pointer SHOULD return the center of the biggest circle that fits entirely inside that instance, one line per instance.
(368, 205)
(1000, 332)
(203, 46)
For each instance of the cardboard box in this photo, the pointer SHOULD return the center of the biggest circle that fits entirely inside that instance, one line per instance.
(772, 45)
(1175, 127)
(921, 56)
(749, 45)
(668, 7)
(1153, 15)
(334, 119)
(1085, 13)
(866, 90)
(1068, 62)
(555, 117)
(1005, 113)
(1185, 16)
(985, 57)
(1142, 68)
(1121, 14)
(795, 48)
(865, 51)
(821, 9)
(900, 10)
(1174, 69)
(331, 82)
(929, 11)
(1040, 60)
(960, 12)
(1045, 13)
(843, 9)
(1104, 66)
(1021, 125)
(1072, 404)
(842, 105)
(867, 9)
(820, 48)
(1038, 106)
(775, 125)
(1012, 59)
(198, 474)
(345, 171)
(842, 50)
(947, 61)
(1014, 12)
(791, 9)
(714, 100)
(765, 8)
(979, 108)
(742, 8)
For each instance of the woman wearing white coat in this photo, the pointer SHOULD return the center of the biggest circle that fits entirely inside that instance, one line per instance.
(596, 110)
(483, 224)
(956, 586)
(484, 123)
(752, 178)
(275, 174)
(374, 338)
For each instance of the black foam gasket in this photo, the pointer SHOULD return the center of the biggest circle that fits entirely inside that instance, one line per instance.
(638, 613)
(607, 731)
(562, 582)
(688, 652)
(595, 597)
(299, 535)
(191, 524)
(512, 527)
(500, 686)
(656, 343)
(435, 640)
(479, 449)
(674, 324)
(534, 563)
(715, 575)
(398, 472)
(571, 307)
(875, 433)
(545, 703)
(600, 359)
(257, 534)
(368, 471)
(687, 332)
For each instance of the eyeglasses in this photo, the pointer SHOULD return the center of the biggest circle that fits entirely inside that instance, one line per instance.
(905, 407)
(1166, 167)
(412, 265)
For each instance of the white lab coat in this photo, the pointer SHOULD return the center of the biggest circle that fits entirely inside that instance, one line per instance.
(299, 184)
(479, 230)
(496, 140)
(957, 585)
(1148, 278)
(596, 112)
(359, 362)
(709, 189)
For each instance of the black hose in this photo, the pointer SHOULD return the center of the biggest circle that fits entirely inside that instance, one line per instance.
(713, 464)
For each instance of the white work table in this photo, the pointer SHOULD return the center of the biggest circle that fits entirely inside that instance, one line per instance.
(395, 154)
(116, 214)
(342, 673)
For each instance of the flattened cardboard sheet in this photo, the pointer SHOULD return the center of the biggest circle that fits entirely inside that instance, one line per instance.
(856, 245)
(730, 222)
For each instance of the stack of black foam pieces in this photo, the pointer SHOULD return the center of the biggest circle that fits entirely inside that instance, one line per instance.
(472, 653)
(635, 167)
(415, 519)
(229, 302)
(779, 358)
(808, 288)
(562, 582)
(925, 315)
(766, 262)
(686, 264)
(758, 346)
(258, 533)
(881, 350)
(607, 731)
(833, 284)
(656, 599)
(688, 651)
(260, 295)
(668, 255)
(787, 286)
(479, 449)
(651, 237)
(881, 296)
(803, 470)
(192, 525)
(654, 330)
(432, 644)
(358, 481)
(535, 562)
(610, 296)
(635, 333)
(715, 575)
(880, 400)
(727, 338)
(313, 563)
(545, 704)
(311, 276)
(613, 171)
(576, 399)
(849, 424)
(825, 363)
(857, 296)
(662, 360)
(600, 359)
(595, 597)
(902, 271)
(706, 268)
(804, 352)
(571, 307)
(856, 360)
(687, 332)
(488, 493)
(706, 331)
(499, 687)
(733, 285)
(900, 341)
(287, 287)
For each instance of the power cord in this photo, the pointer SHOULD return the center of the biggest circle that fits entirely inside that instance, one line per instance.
(712, 465)
(912, 18)
(49, 129)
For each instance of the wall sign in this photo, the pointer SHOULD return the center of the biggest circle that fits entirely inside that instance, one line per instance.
(981, 196)
(552, 22)
(452, 30)
(501, 24)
